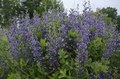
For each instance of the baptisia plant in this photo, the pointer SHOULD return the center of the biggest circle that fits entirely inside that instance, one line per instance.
(61, 46)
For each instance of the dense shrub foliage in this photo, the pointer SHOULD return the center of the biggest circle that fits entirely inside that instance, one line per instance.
(61, 46)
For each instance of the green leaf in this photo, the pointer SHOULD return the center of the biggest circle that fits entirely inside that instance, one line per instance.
(21, 61)
(98, 67)
(61, 53)
(16, 63)
(73, 34)
(43, 42)
(14, 76)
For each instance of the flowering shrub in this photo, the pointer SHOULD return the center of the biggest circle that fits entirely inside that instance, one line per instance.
(61, 46)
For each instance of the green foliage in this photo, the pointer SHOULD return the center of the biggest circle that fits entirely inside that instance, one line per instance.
(14, 76)
(11, 9)
(110, 12)
(67, 70)
(22, 70)
(48, 5)
(4, 56)
(8, 9)
(98, 68)
(73, 34)
(43, 44)
(118, 23)
(115, 63)
(96, 63)
(111, 16)
(108, 21)
(96, 49)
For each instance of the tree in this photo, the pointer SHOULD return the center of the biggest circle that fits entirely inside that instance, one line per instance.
(118, 23)
(11, 9)
(112, 14)
(8, 9)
